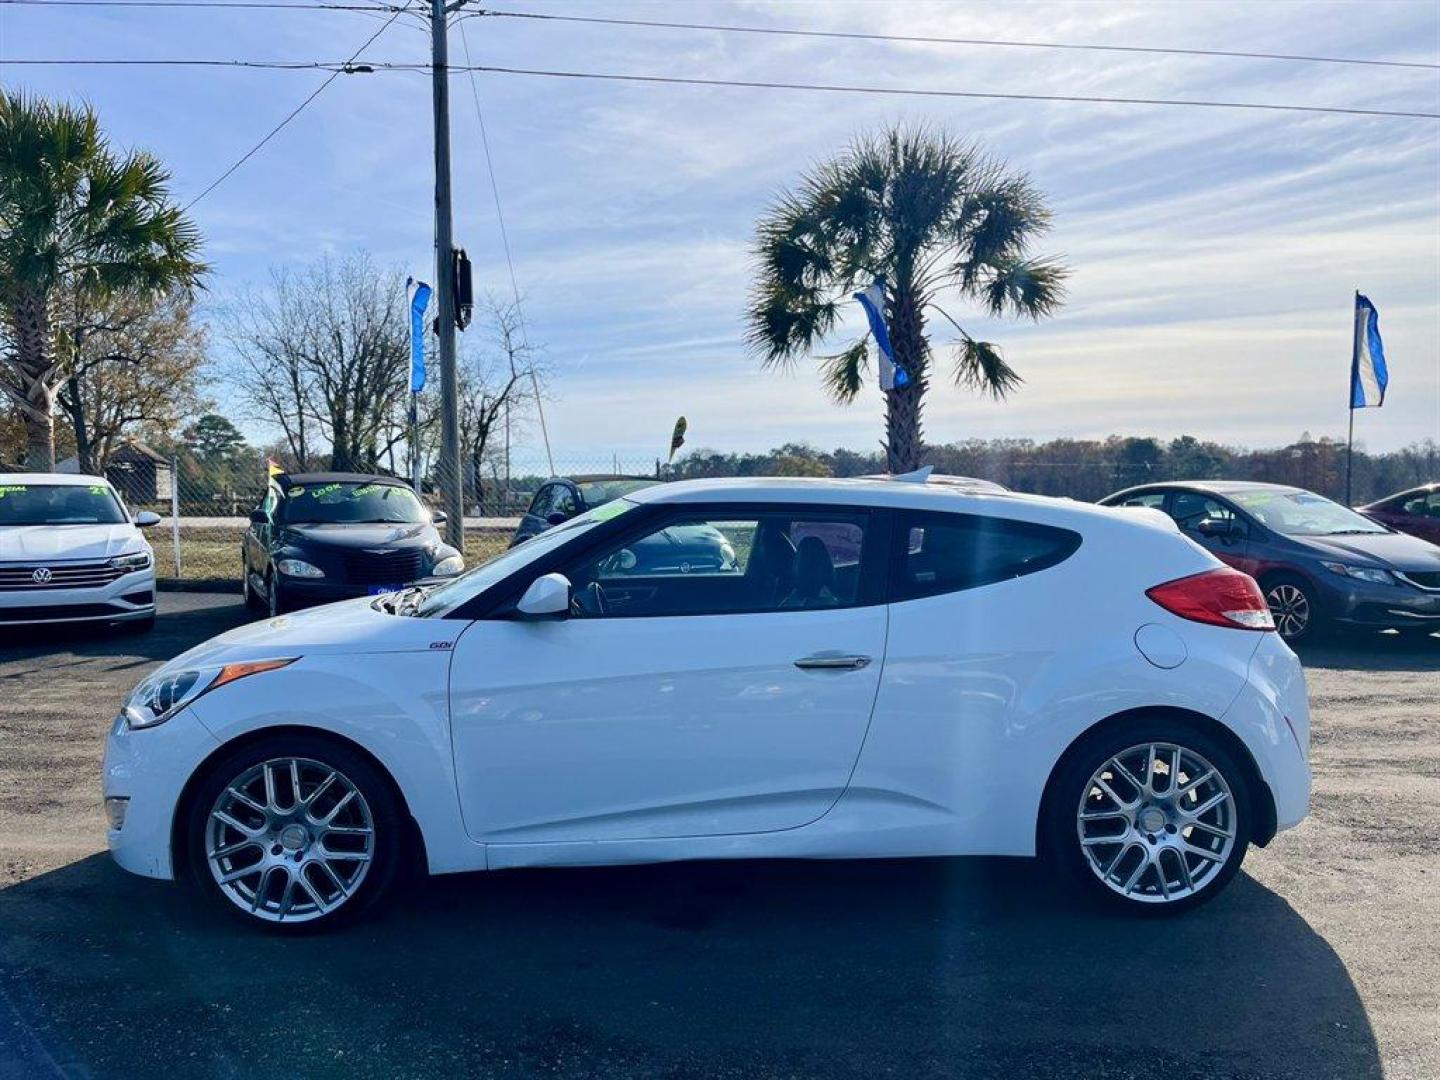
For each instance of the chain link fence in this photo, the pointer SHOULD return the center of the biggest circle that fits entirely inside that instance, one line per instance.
(205, 510)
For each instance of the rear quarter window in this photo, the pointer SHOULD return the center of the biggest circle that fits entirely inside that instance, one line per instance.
(935, 553)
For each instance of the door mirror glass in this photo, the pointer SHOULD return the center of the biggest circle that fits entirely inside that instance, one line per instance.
(557, 518)
(548, 595)
(146, 518)
(439, 517)
(1219, 528)
(258, 517)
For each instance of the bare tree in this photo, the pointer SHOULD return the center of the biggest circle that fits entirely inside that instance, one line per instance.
(323, 355)
(135, 362)
(497, 383)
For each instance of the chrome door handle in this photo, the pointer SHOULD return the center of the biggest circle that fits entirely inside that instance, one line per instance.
(832, 662)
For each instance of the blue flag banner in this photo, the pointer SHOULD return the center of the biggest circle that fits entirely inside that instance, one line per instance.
(419, 301)
(873, 301)
(1368, 374)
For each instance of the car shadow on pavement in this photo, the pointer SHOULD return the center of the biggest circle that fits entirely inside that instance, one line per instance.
(1372, 652)
(176, 630)
(904, 968)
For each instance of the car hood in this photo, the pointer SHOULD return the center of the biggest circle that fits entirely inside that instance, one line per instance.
(352, 627)
(341, 535)
(27, 543)
(1394, 551)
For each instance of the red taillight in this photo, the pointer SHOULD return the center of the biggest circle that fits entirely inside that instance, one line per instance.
(1220, 597)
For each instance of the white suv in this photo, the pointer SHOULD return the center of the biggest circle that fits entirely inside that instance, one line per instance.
(877, 668)
(69, 552)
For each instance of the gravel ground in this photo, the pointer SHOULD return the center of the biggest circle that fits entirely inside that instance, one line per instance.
(1319, 961)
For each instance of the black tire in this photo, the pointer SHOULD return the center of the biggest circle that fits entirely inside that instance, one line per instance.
(1060, 828)
(1286, 595)
(252, 602)
(389, 822)
(275, 599)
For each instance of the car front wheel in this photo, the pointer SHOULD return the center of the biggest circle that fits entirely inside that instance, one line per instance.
(1151, 816)
(295, 832)
(1292, 606)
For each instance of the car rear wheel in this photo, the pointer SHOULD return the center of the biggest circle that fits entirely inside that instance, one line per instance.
(1153, 816)
(295, 832)
(1292, 606)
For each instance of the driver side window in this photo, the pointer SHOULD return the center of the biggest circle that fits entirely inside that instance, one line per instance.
(1189, 509)
(723, 564)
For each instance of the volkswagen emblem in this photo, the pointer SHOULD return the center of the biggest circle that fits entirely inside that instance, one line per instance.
(41, 575)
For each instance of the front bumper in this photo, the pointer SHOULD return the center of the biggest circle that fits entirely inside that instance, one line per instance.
(129, 597)
(1380, 607)
(148, 769)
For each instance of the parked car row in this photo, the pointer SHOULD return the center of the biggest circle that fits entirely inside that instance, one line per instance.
(70, 551)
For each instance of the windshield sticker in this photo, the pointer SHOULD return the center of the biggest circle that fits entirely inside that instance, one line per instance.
(12, 489)
(610, 510)
(1255, 498)
(296, 490)
(97, 489)
(367, 489)
(323, 490)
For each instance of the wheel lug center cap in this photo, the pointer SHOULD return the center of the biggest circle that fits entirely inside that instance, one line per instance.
(294, 837)
(1151, 819)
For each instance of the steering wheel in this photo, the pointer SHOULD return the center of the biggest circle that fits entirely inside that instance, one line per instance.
(588, 601)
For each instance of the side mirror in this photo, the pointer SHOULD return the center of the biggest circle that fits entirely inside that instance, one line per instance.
(1219, 528)
(547, 597)
(557, 518)
(439, 517)
(257, 517)
(146, 518)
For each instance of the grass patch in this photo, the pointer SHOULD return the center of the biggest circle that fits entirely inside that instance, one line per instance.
(214, 552)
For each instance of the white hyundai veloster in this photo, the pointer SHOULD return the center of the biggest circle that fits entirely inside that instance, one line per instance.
(864, 668)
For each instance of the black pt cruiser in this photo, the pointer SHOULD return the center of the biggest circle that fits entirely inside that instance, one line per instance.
(319, 537)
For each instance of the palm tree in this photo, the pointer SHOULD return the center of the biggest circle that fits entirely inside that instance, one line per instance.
(75, 216)
(929, 214)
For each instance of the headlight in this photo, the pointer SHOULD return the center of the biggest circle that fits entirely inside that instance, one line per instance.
(136, 560)
(449, 566)
(165, 693)
(1363, 573)
(298, 568)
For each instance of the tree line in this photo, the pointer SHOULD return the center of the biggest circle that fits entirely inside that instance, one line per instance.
(1089, 469)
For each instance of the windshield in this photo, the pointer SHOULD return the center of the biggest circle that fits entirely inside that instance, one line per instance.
(1300, 513)
(60, 504)
(442, 599)
(339, 502)
(599, 492)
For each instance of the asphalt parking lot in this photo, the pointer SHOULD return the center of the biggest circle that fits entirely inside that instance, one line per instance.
(1319, 961)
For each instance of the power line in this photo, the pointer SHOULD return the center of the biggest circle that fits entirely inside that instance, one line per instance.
(991, 95)
(219, 4)
(505, 244)
(295, 111)
(918, 39)
(350, 67)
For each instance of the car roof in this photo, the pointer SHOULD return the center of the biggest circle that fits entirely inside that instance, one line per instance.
(1214, 487)
(914, 494)
(339, 478)
(74, 479)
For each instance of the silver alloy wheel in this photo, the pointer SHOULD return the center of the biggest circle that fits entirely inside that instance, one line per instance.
(289, 840)
(1156, 822)
(1290, 608)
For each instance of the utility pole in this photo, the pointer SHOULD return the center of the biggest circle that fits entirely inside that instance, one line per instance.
(452, 482)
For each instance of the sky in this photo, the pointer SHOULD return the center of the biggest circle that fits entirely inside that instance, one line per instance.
(1215, 252)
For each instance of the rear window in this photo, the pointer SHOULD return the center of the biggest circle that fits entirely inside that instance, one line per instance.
(942, 553)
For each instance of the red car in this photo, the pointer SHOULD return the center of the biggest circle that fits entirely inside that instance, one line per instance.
(1416, 512)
